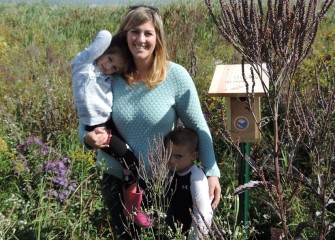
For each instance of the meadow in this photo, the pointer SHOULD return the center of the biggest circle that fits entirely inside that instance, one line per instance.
(49, 186)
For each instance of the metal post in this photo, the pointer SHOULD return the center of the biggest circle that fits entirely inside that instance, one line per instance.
(246, 180)
(244, 177)
(241, 169)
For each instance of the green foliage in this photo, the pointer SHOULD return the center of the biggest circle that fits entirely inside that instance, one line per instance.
(37, 43)
(6, 158)
(43, 198)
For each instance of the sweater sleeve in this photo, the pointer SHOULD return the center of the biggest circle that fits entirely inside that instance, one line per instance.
(93, 51)
(190, 113)
(82, 134)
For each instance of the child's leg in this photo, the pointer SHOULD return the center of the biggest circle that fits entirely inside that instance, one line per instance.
(125, 155)
(120, 150)
(112, 188)
(132, 193)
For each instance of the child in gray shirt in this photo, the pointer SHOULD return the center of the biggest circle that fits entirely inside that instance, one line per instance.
(92, 73)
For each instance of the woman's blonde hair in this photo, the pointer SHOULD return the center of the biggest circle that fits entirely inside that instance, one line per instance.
(134, 18)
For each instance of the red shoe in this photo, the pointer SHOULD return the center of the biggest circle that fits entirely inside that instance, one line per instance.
(132, 202)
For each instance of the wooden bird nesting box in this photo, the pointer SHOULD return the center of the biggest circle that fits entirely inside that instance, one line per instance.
(228, 82)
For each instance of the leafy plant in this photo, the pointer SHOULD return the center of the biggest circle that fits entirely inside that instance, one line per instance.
(280, 34)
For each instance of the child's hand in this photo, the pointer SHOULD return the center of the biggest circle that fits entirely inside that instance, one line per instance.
(97, 138)
(103, 131)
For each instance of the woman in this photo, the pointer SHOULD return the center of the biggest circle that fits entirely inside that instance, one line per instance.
(149, 102)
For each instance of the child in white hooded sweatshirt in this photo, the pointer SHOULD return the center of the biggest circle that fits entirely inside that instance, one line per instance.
(92, 73)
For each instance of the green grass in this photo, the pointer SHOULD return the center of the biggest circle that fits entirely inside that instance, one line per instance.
(37, 43)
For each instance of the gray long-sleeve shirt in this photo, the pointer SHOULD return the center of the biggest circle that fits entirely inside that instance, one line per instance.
(92, 91)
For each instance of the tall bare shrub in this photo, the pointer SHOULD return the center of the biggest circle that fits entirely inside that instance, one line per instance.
(281, 34)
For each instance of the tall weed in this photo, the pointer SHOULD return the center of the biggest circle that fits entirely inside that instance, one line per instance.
(37, 43)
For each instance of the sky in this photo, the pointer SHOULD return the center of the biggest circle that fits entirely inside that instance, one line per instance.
(91, 1)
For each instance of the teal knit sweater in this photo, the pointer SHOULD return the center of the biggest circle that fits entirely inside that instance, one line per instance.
(143, 114)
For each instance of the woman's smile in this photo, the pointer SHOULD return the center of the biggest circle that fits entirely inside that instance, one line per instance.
(142, 41)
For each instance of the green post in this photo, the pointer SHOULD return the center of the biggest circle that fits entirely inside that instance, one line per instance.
(244, 177)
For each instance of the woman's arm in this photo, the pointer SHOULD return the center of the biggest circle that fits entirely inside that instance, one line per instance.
(190, 112)
(214, 190)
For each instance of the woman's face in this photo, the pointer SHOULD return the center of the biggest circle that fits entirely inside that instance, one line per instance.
(142, 42)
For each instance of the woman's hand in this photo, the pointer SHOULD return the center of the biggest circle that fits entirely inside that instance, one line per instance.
(214, 190)
(97, 138)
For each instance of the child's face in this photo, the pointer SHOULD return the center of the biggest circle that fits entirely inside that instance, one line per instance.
(111, 63)
(181, 158)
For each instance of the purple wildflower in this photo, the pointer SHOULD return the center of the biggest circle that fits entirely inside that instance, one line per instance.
(50, 166)
(37, 141)
(45, 150)
(54, 193)
(27, 188)
(61, 181)
(36, 159)
(40, 168)
(63, 195)
(66, 160)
